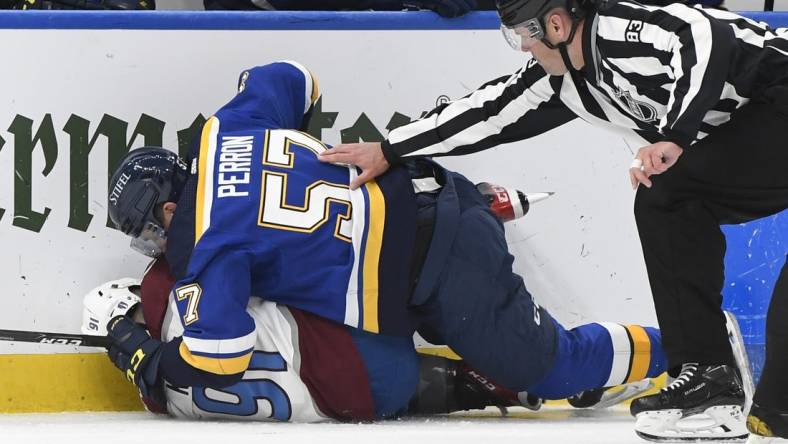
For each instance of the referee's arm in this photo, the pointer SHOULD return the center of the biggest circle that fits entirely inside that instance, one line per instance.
(503, 110)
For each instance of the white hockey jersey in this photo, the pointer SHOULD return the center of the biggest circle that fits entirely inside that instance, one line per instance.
(304, 368)
(271, 388)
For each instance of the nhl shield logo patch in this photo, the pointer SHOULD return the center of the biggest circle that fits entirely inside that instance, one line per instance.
(645, 112)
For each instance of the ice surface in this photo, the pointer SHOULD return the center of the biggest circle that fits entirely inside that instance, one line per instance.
(557, 425)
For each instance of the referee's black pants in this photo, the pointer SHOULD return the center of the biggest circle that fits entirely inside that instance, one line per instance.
(736, 174)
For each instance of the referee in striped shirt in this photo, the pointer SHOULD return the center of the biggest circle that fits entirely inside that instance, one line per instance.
(708, 92)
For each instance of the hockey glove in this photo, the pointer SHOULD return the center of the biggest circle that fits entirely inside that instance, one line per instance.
(137, 355)
(446, 8)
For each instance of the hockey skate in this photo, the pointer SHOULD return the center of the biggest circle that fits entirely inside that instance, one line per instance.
(703, 403)
(767, 426)
(603, 398)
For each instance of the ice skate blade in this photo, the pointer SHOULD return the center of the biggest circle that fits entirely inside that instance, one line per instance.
(723, 423)
(619, 394)
(742, 361)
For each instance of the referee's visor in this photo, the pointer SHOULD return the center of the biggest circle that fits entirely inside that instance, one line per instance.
(527, 32)
(522, 20)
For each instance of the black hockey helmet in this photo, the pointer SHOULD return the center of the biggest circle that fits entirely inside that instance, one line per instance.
(144, 179)
(529, 14)
(516, 12)
(524, 19)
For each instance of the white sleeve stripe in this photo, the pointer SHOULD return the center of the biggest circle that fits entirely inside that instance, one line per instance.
(452, 110)
(678, 73)
(622, 353)
(413, 129)
(221, 346)
(307, 83)
(359, 212)
(532, 97)
(702, 47)
(639, 65)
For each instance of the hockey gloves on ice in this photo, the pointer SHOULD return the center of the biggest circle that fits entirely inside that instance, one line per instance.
(137, 355)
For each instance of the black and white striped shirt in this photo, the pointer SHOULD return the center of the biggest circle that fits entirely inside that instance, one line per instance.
(672, 73)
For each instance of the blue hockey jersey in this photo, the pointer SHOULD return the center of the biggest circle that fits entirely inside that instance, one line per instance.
(262, 216)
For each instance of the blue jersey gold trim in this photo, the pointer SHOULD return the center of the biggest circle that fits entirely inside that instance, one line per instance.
(219, 366)
(270, 220)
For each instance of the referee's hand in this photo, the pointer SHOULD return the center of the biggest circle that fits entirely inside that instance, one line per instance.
(366, 155)
(651, 160)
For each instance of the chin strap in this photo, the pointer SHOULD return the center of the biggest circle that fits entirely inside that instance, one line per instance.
(563, 47)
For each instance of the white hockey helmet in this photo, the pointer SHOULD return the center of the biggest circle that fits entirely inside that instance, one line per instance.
(110, 299)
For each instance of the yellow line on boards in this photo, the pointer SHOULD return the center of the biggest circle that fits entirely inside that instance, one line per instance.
(44, 383)
(38, 383)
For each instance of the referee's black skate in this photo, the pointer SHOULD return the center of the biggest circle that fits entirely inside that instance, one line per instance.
(767, 426)
(708, 400)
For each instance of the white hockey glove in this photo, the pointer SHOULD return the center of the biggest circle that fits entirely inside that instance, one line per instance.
(113, 298)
